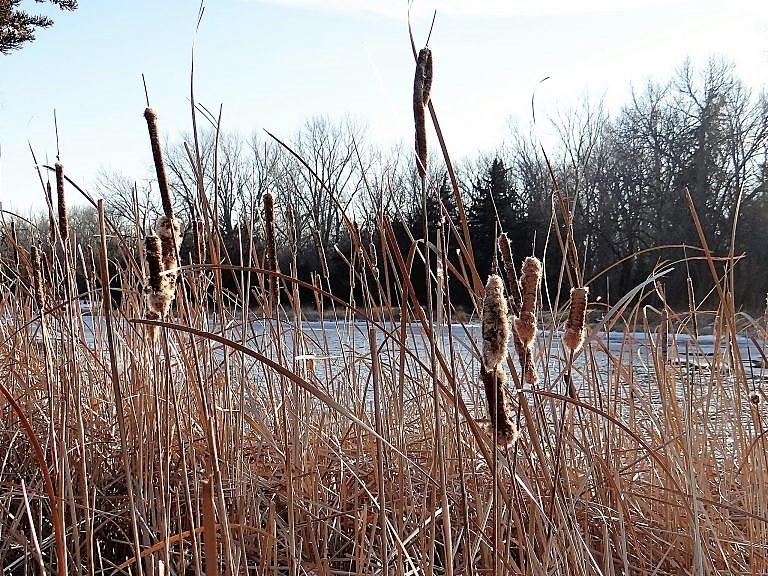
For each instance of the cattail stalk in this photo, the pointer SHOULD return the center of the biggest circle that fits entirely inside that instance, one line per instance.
(62, 203)
(422, 85)
(157, 155)
(577, 316)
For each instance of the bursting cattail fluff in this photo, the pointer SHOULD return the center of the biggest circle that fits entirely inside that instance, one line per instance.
(160, 291)
(63, 225)
(169, 232)
(495, 326)
(525, 325)
(422, 84)
(495, 386)
(157, 155)
(577, 316)
(495, 323)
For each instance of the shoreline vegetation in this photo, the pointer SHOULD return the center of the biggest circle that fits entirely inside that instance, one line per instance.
(168, 444)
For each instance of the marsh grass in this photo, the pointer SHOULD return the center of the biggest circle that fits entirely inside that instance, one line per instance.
(238, 441)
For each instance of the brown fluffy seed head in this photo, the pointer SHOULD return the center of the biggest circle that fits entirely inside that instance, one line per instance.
(37, 277)
(157, 155)
(495, 323)
(577, 316)
(525, 328)
(62, 204)
(169, 231)
(152, 248)
(496, 393)
(529, 284)
(422, 84)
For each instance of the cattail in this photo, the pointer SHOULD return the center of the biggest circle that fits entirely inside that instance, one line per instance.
(509, 269)
(169, 232)
(577, 315)
(495, 385)
(37, 277)
(160, 293)
(422, 84)
(525, 325)
(271, 255)
(495, 324)
(63, 225)
(157, 155)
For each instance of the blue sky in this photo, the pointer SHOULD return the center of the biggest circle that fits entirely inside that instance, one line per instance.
(273, 64)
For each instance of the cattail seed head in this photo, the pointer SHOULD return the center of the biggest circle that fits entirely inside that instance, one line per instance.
(160, 293)
(495, 323)
(577, 316)
(271, 244)
(169, 232)
(422, 84)
(495, 386)
(152, 248)
(157, 155)
(62, 203)
(37, 277)
(525, 324)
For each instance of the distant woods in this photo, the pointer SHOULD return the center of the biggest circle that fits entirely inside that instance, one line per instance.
(625, 176)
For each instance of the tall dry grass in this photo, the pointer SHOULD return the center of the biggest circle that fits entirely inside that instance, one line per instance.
(173, 436)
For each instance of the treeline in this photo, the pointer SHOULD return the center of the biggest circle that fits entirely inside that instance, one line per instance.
(624, 176)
